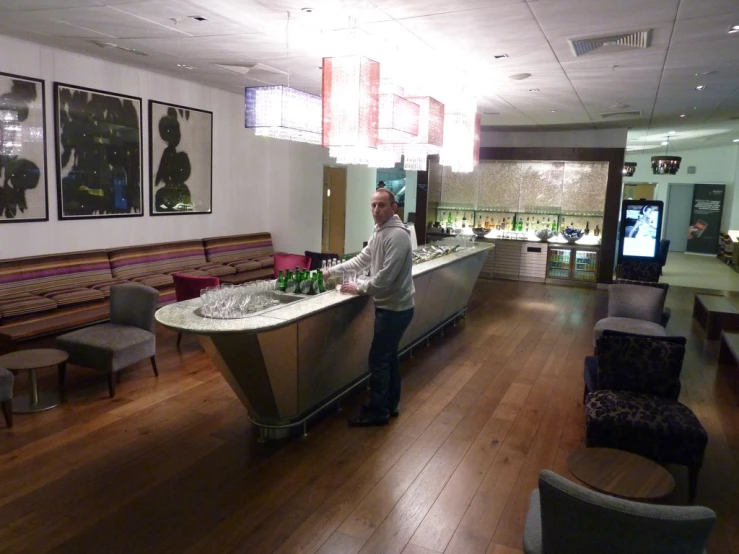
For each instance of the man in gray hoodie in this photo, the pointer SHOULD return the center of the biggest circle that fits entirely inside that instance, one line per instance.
(388, 255)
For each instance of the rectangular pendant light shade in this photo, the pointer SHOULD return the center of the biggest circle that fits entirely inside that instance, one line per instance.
(351, 102)
(461, 127)
(398, 121)
(284, 113)
(430, 137)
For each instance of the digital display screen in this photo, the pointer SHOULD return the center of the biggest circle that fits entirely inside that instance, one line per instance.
(641, 226)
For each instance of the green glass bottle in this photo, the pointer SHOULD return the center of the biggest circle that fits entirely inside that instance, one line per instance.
(321, 285)
(281, 284)
(313, 283)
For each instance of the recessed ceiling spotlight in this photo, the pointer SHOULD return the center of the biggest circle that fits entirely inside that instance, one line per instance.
(734, 29)
(671, 132)
(198, 18)
(500, 56)
(553, 111)
(682, 115)
(185, 66)
(306, 10)
(712, 72)
(519, 76)
(735, 140)
(533, 90)
(700, 87)
(665, 142)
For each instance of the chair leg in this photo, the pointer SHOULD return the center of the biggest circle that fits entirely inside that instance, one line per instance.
(111, 385)
(8, 411)
(179, 339)
(692, 483)
(154, 365)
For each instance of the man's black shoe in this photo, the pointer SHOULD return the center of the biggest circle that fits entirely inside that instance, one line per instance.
(365, 409)
(368, 420)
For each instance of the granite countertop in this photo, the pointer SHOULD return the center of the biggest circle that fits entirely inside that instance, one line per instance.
(184, 316)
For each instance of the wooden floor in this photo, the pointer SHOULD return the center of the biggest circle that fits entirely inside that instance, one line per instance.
(172, 464)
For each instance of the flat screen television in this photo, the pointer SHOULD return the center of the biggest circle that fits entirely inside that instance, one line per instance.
(641, 227)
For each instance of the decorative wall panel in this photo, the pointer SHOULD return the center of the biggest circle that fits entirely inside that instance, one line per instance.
(584, 188)
(499, 187)
(459, 189)
(541, 186)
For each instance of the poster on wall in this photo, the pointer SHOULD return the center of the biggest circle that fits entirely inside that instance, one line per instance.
(705, 218)
(23, 189)
(98, 157)
(180, 159)
(641, 227)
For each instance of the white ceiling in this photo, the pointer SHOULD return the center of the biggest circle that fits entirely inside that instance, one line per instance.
(438, 47)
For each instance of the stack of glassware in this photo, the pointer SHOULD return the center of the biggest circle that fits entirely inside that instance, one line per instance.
(228, 301)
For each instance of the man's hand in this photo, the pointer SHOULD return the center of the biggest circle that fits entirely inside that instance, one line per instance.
(326, 274)
(349, 288)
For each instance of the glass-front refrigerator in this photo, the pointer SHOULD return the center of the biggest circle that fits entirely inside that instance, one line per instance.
(560, 261)
(572, 265)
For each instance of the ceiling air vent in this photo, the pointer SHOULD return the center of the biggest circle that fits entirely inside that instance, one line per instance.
(620, 115)
(611, 43)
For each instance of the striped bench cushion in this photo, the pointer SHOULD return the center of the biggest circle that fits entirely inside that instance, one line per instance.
(217, 270)
(238, 248)
(104, 287)
(157, 281)
(245, 266)
(70, 297)
(141, 261)
(40, 274)
(25, 303)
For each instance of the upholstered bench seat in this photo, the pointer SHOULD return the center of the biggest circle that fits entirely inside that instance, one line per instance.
(657, 428)
(104, 286)
(628, 325)
(213, 269)
(23, 303)
(72, 296)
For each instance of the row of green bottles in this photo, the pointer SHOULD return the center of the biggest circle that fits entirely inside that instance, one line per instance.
(302, 281)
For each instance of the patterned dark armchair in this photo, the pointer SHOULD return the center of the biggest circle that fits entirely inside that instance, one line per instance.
(635, 407)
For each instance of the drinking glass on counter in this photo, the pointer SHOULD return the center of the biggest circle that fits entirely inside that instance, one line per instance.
(234, 301)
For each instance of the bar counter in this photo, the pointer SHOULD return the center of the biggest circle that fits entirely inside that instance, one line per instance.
(287, 362)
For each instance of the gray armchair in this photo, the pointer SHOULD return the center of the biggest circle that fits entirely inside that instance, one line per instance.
(634, 309)
(128, 338)
(6, 394)
(566, 518)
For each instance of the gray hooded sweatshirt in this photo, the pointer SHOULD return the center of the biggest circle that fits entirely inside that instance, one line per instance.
(388, 255)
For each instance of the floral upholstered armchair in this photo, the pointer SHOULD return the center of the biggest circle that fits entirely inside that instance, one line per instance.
(635, 406)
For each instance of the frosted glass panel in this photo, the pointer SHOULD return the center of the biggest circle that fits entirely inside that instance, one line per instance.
(541, 186)
(459, 189)
(499, 186)
(584, 188)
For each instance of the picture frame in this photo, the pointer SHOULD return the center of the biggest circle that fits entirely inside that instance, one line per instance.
(180, 159)
(24, 195)
(99, 153)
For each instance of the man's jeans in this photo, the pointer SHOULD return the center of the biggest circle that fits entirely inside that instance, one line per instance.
(383, 360)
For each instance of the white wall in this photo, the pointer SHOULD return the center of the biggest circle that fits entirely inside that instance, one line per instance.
(596, 138)
(411, 184)
(713, 165)
(361, 182)
(259, 184)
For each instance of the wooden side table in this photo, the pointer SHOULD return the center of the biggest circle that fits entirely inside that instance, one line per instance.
(31, 361)
(621, 473)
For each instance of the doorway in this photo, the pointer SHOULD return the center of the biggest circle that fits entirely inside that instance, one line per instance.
(639, 191)
(334, 210)
(677, 215)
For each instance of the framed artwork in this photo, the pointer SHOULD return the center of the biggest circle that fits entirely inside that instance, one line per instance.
(98, 153)
(180, 159)
(23, 186)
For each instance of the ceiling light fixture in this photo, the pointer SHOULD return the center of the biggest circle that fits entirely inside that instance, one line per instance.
(306, 10)
(283, 112)
(735, 140)
(430, 137)
(199, 18)
(671, 132)
(461, 149)
(519, 76)
(682, 115)
(553, 111)
(666, 165)
(628, 169)
(700, 87)
(734, 29)
(185, 66)
(665, 143)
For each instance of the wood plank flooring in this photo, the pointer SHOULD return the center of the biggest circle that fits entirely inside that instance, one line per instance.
(172, 463)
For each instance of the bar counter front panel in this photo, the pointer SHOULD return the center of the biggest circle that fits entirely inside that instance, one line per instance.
(287, 361)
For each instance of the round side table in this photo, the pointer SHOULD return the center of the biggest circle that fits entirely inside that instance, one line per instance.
(31, 361)
(621, 473)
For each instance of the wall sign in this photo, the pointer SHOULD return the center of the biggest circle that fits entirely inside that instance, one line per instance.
(705, 219)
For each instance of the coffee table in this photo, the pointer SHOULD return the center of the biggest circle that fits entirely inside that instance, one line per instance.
(31, 361)
(621, 473)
